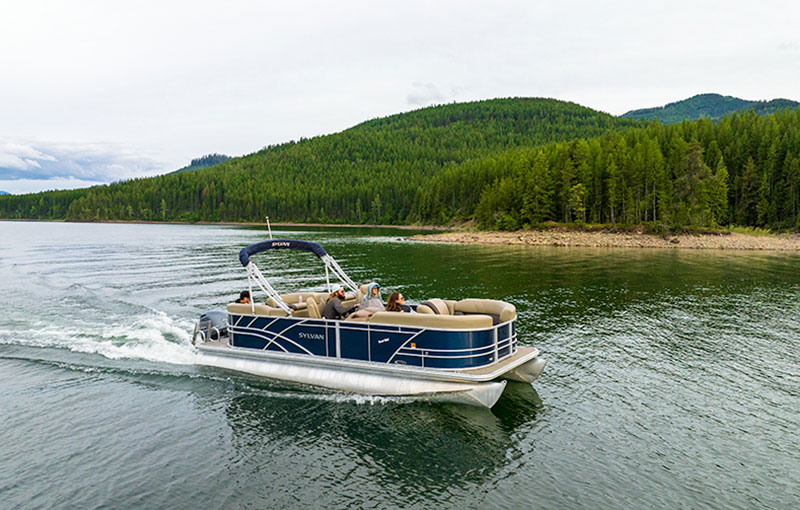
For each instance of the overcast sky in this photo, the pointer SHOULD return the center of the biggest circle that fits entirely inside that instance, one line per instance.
(96, 91)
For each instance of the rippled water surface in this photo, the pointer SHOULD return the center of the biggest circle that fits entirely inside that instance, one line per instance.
(673, 382)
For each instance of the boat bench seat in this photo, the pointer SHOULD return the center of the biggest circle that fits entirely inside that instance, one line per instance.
(349, 300)
(314, 303)
(314, 310)
(356, 318)
(500, 311)
(298, 298)
(362, 291)
(247, 309)
(425, 320)
(436, 307)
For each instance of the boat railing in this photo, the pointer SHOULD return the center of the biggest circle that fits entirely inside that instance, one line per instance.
(503, 344)
(476, 337)
(496, 347)
(205, 332)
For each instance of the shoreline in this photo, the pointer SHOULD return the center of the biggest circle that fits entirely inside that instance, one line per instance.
(432, 228)
(732, 241)
(550, 237)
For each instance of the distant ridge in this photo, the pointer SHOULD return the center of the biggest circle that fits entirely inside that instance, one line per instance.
(370, 173)
(4, 192)
(204, 162)
(713, 106)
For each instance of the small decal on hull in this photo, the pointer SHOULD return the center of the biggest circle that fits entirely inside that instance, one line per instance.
(312, 336)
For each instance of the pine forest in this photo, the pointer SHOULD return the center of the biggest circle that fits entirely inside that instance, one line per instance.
(506, 164)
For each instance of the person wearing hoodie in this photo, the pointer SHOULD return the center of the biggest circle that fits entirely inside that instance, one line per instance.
(372, 299)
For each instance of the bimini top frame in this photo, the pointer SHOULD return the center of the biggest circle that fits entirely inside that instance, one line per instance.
(253, 273)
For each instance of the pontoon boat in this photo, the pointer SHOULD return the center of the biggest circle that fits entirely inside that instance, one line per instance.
(461, 351)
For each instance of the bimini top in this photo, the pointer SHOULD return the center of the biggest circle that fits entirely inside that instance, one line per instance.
(280, 244)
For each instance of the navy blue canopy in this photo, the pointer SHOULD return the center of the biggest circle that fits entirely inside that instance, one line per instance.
(280, 244)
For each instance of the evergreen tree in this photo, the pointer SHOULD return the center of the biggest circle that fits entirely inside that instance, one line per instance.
(749, 186)
(536, 196)
(719, 195)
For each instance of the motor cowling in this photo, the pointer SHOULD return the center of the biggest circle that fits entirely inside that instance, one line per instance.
(212, 326)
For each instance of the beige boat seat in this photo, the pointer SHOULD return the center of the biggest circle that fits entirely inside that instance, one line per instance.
(350, 299)
(313, 308)
(247, 309)
(362, 291)
(432, 320)
(499, 311)
(436, 307)
(296, 299)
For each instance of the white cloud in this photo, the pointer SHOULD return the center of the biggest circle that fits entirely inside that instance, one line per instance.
(179, 78)
(423, 94)
(23, 151)
(92, 163)
(23, 157)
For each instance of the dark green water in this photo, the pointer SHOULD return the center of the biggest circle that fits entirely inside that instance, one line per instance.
(673, 382)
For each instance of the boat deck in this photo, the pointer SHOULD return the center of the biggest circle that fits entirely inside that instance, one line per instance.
(511, 360)
(223, 342)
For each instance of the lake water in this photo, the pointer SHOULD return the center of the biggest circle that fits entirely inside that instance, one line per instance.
(673, 379)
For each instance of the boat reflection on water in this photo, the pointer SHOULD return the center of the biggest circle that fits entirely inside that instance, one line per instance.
(424, 449)
(519, 406)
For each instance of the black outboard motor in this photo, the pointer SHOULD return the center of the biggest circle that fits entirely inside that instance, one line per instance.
(212, 326)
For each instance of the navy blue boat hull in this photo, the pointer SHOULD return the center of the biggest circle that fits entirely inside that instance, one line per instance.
(447, 349)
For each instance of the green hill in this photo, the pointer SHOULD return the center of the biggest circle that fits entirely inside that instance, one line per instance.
(369, 173)
(713, 106)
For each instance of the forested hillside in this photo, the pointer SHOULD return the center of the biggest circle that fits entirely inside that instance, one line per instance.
(369, 173)
(505, 163)
(744, 169)
(712, 106)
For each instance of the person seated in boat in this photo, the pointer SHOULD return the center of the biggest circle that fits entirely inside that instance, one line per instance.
(372, 299)
(397, 303)
(334, 309)
(244, 297)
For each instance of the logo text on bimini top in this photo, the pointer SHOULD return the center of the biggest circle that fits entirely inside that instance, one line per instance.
(312, 336)
(284, 244)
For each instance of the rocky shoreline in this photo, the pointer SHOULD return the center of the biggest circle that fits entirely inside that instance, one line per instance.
(732, 241)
